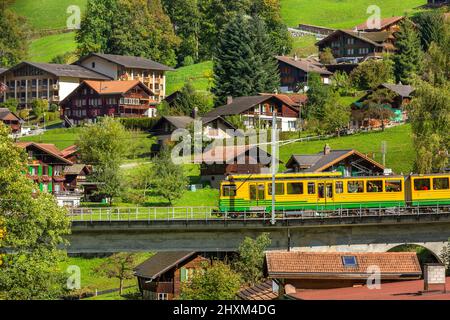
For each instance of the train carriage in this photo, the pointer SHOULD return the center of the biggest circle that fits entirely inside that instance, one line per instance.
(330, 191)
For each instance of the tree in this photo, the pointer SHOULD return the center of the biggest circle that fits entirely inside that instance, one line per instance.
(34, 228)
(326, 56)
(13, 40)
(430, 25)
(429, 115)
(409, 56)
(251, 258)
(244, 64)
(11, 104)
(190, 100)
(215, 282)
(116, 27)
(336, 115)
(169, 180)
(105, 145)
(318, 94)
(39, 107)
(378, 105)
(119, 266)
(370, 74)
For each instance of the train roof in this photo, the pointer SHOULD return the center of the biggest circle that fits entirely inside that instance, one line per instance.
(284, 176)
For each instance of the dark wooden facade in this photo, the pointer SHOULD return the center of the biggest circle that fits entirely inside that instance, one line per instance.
(86, 103)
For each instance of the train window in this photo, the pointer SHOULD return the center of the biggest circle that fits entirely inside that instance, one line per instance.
(393, 185)
(422, 184)
(252, 192)
(441, 184)
(279, 189)
(311, 188)
(295, 188)
(229, 191)
(374, 186)
(355, 186)
(339, 187)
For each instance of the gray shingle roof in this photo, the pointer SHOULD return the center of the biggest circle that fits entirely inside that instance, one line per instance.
(2, 70)
(400, 89)
(160, 263)
(65, 70)
(374, 38)
(180, 122)
(238, 106)
(131, 62)
(317, 161)
(304, 65)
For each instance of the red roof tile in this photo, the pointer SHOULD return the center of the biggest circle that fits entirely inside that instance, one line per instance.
(383, 24)
(317, 264)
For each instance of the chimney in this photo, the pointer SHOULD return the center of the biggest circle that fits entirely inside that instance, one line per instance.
(295, 57)
(229, 100)
(327, 149)
(434, 277)
(194, 113)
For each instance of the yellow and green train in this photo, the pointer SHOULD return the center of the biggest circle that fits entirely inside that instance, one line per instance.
(330, 191)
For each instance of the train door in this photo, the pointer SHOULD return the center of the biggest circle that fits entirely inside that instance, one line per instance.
(325, 195)
(257, 193)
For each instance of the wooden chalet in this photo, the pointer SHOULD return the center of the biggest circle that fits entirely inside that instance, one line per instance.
(54, 173)
(257, 111)
(161, 276)
(402, 97)
(355, 46)
(92, 99)
(294, 72)
(327, 270)
(350, 162)
(11, 120)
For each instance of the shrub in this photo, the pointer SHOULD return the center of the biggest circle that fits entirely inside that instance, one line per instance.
(139, 123)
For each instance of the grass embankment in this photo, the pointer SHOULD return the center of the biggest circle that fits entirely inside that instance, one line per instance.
(341, 13)
(46, 48)
(92, 280)
(199, 74)
(400, 151)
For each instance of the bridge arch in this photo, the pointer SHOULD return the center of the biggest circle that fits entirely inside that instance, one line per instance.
(427, 253)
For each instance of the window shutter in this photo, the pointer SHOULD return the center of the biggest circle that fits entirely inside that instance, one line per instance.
(40, 171)
(50, 171)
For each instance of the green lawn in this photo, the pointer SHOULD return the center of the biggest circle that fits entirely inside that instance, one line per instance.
(197, 73)
(341, 13)
(90, 277)
(400, 152)
(304, 46)
(62, 138)
(46, 14)
(46, 48)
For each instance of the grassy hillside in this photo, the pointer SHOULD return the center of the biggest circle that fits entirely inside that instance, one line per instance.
(46, 14)
(197, 73)
(341, 13)
(46, 48)
(400, 151)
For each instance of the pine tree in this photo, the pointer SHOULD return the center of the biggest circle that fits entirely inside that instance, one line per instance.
(243, 64)
(409, 56)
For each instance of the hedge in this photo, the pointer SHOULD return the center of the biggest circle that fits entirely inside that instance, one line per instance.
(139, 123)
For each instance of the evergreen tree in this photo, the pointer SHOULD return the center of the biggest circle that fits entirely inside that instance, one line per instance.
(13, 39)
(242, 66)
(409, 56)
(318, 95)
(430, 25)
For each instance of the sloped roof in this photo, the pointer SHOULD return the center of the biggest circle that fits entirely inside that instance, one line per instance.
(2, 70)
(112, 87)
(74, 169)
(69, 150)
(5, 112)
(63, 70)
(321, 161)
(179, 122)
(385, 22)
(130, 61)
(374, 38)
(160, 263)
(260, 291)
(45, 147)
(230, 153)
(400, 89)
(317, 264)
(305, 65)
(242, 104)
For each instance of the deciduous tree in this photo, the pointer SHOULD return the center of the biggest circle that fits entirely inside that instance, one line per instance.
(119, 266)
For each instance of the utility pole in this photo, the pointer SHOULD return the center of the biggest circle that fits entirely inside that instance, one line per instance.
(274, 163)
